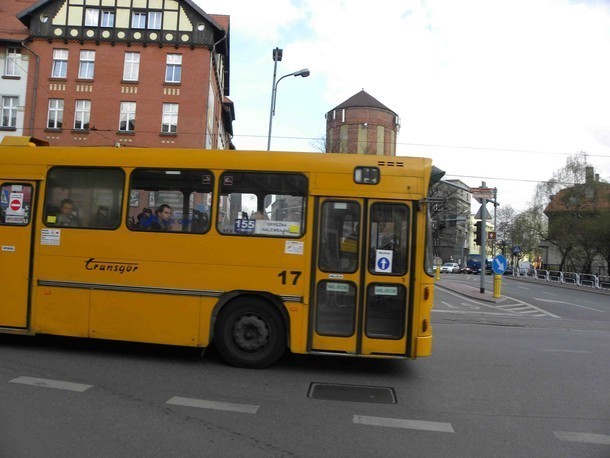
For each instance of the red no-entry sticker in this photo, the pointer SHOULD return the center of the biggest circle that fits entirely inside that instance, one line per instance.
(15, 205)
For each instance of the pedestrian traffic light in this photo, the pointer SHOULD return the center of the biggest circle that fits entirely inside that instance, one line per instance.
(478, 232)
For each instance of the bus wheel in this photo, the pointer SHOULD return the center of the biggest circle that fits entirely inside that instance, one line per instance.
(250, 333)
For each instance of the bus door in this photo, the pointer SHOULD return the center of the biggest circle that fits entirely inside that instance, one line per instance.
(16, 210)
(361, 279)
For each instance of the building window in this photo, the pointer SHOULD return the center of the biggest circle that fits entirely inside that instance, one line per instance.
(169, 123)
(146, 20)
(60, 63)
(132, 66)
(92, 17)
(56, 114)
(82, 113)
(87, 63)
(138, 20)
(154, 20)
(9, 111)
(11, 66)
(173, 69)
(127, 121)
(107, 18)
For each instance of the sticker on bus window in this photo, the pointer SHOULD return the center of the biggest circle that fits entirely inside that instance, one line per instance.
(386, 291)
(383, 261)
(244, 226)
(294, 247)
(337, 287)
(264, 227)
(50, 236)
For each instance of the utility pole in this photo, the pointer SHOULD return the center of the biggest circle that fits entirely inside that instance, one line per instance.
(483, 239)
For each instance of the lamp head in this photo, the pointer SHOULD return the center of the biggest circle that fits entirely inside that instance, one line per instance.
(304, 73)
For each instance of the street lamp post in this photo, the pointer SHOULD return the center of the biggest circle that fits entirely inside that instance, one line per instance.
(277, 56)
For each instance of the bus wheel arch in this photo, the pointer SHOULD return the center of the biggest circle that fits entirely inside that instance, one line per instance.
(250, 329)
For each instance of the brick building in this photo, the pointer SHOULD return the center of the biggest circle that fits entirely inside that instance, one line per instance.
(362, 125)
(14, 66)
(146, 73)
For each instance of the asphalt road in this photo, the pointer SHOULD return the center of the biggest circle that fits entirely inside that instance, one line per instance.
(500, 383)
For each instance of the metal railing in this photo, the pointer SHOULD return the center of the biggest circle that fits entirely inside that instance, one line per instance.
(568, 278)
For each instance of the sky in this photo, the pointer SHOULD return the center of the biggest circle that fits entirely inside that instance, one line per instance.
(493, 91)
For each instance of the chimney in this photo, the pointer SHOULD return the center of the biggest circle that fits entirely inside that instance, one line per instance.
(589, 174)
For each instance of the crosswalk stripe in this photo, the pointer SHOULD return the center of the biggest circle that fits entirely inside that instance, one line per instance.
(47, 383)
(213, 405)
(582, 437)
(404, 424)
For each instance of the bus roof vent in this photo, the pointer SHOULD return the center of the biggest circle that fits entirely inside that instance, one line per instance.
(390, 164)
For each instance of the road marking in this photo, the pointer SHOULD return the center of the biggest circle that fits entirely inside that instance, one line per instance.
(213, 405)
(567, 351)
(518, 303)
(582, 437)
(534, 307)
(567, 303)
(47, 383)
(523, 287)
(448, 305)
(404, 424)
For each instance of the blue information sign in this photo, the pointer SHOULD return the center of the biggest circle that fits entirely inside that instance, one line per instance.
(499, 264)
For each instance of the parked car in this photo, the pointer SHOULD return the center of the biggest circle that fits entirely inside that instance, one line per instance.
(450, 268)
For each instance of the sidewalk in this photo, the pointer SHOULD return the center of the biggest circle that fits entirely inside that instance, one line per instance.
(470, 291)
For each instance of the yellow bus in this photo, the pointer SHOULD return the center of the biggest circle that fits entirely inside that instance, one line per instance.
(255, 252)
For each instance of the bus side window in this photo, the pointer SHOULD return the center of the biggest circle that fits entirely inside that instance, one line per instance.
(84, 197)
(175, 201)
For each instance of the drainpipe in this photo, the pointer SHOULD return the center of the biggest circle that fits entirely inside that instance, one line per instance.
(35, 90)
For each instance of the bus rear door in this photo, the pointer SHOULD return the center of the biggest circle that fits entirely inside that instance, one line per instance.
(16, 210)
(360, 287)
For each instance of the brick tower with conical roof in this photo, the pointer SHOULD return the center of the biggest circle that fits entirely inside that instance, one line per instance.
(362, 125)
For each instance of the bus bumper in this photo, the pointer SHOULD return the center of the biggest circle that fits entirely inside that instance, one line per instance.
(423, 346)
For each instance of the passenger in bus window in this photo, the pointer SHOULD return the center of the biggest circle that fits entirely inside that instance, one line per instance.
(145, 219)
(67, 214)
(258, 215)
(163, 218)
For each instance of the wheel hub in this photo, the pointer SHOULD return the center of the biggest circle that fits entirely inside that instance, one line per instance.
(251, 332)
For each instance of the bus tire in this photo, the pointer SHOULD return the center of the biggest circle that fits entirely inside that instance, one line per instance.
(250, 333)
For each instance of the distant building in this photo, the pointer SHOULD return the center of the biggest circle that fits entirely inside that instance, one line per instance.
(14, 68)
(362, 125)
(452, 235)
(147, 73)
(579, 224)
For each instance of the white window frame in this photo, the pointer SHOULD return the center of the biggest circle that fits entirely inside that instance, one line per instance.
(56, 114)
(131, 69)
(86, 68)
(92, 17)
(107, 18)
(82, 114)
(173, 68)
(60, 63)
(154, 20)
(128, 114)
(138, 20)
(169, 118)
(10, 106)
(11, 68)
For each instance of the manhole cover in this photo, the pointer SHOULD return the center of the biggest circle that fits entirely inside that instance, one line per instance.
(352, 393)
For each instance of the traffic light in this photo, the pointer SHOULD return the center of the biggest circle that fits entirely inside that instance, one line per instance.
(477, 234)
